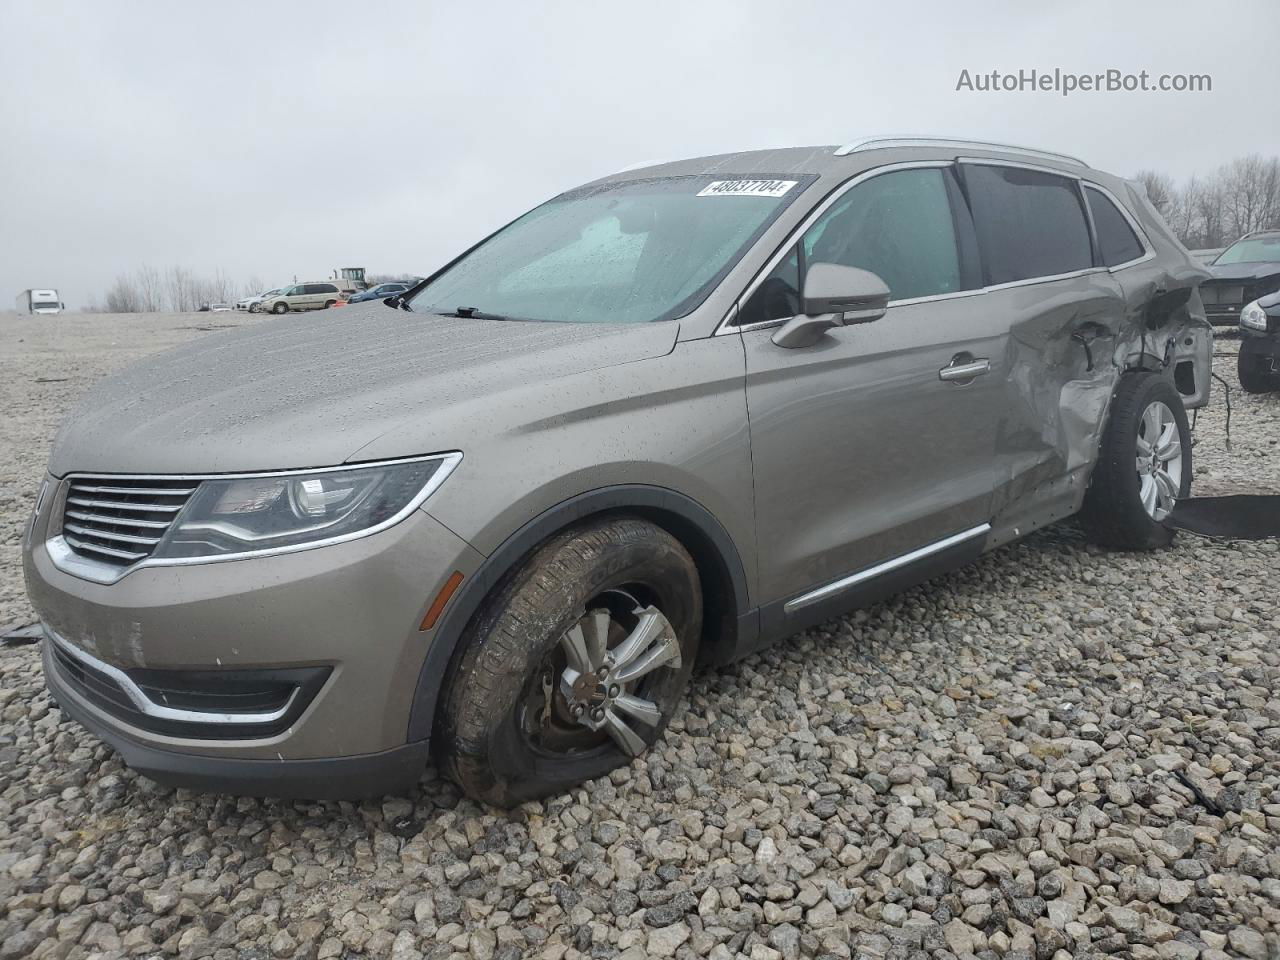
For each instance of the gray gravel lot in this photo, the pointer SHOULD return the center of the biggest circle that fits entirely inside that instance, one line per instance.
(983, 766)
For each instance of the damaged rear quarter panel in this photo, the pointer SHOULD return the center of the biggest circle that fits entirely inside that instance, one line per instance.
(1070, 342)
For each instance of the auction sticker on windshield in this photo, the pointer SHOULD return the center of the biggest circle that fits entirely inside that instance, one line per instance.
(747, 188)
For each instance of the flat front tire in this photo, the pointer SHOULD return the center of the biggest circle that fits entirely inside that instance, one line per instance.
(574, 665)
(1143, 468)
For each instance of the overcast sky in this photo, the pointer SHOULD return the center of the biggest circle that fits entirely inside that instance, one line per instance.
(283, 139)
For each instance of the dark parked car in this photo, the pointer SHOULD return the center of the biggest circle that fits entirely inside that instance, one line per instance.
(1245, 271)
(380, 292)
(667, 416)
(1259, 361)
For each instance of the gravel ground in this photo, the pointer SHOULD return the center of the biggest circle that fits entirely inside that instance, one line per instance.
(988, 765)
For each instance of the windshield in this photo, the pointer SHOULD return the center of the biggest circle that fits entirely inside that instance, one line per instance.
(1252, 250)
(44, 305)
(629, 252)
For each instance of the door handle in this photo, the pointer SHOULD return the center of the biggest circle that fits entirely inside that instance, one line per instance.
(962, 370)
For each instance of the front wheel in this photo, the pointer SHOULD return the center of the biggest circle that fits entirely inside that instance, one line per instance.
(280, 308)
(574, 665)
(1143, 468)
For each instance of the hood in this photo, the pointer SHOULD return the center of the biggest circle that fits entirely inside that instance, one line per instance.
(1243, 271)
(311, 389)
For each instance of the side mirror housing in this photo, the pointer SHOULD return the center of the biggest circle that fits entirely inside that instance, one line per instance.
(834, 296)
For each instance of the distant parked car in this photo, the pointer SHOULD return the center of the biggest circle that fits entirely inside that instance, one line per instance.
(219, 308)
(251, 303)
(1244, 272)
(303, 296)
(1259, 362)
(380, 292)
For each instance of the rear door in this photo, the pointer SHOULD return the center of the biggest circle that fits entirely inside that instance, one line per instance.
(1064, 311)
(865, 453)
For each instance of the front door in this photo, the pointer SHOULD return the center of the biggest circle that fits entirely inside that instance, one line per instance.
(869, 453)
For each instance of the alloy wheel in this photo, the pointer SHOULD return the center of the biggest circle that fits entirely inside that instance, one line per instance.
(594, 685)
(1159, 460)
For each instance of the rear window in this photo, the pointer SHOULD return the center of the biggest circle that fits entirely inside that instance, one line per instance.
(1116, 240)
(1029, 224)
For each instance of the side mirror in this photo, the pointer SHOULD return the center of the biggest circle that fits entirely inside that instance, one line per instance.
(833, 296)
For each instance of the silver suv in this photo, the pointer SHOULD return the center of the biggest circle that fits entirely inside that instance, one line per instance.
(665, 417)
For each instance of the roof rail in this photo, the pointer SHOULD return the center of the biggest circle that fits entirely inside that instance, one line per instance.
(882, 143)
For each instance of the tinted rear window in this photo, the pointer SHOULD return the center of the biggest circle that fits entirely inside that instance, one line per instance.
(1116, 240)
(1029, 224)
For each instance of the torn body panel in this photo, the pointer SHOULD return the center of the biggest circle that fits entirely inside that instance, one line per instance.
(1071, 340)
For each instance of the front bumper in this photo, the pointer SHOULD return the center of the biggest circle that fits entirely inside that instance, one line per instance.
(392, 771)
(348, 613)
(1262, 346)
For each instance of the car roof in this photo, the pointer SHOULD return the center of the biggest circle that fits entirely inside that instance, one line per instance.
(832, 159)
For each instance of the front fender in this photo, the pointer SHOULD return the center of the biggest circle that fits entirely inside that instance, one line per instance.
(729, 623)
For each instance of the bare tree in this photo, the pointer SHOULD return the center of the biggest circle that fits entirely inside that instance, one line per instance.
(150, 288)
(123, 297)
(1160, 191)
(1250, 194)
(180, 293)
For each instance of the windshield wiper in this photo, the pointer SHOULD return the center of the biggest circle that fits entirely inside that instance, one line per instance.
(475, 313)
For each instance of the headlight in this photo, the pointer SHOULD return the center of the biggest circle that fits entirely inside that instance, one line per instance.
(1253, 317)
(268, 513)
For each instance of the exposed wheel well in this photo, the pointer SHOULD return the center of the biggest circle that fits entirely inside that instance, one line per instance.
(719, 602)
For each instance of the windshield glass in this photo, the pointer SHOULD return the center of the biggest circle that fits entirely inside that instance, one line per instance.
(629, 252)
(1252, 250)
(44, 305)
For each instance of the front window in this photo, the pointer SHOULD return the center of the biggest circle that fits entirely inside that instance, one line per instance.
(898, 225)
(1252, 250)
(629, 252)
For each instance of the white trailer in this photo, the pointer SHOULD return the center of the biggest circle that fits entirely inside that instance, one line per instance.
(38, 301)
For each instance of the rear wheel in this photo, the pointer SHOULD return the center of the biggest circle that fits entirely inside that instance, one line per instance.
(1255, 367)
(280, 308)
(1143, 468)
(574, 665)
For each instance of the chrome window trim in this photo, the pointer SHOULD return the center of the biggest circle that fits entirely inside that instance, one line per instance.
(853, 579)
(726, 327)
(149, 707)
(65, 559)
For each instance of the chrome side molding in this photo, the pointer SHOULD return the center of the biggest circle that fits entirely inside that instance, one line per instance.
(152, 709)
(870, 573)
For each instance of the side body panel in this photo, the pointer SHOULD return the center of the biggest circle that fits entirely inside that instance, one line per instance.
(677, 422)
(1062, 334)
(861, 452)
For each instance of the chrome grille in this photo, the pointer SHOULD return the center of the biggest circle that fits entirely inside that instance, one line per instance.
(120, 520)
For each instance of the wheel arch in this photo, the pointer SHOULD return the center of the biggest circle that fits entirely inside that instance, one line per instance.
(729, 624)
